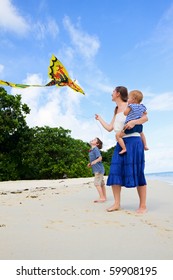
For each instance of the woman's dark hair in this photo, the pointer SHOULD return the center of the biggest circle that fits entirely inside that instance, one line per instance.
(123, 94)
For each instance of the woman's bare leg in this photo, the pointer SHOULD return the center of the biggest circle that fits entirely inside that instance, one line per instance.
(142, 192)
(116, 189)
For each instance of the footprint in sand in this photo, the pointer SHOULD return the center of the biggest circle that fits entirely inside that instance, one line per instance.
(17, 192)
(52, 224)
(159, 227)
(2, 225)
(32, 196)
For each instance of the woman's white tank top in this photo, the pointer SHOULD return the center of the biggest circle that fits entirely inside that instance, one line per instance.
(119, 124)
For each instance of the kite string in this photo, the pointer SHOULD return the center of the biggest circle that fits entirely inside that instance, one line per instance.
(100, 128)
(96, 122)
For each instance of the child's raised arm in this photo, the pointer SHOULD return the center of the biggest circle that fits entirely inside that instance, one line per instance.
(127, 111)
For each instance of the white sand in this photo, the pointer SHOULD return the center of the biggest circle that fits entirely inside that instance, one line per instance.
(57, 220)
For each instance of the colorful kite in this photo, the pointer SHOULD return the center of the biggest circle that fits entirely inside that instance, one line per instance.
(58, 74)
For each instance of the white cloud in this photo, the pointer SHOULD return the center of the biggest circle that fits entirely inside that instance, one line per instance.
(86, 44)
(162, 102)
(53, 28)
(159, 45)
(1, 68)
(160, 153)
(11, 20)
(165, 25)
(159, 159)
(49, 27)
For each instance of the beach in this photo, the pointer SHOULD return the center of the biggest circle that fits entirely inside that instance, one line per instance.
(58, 220)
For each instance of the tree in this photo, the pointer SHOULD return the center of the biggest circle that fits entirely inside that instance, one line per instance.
(53, 153)
(12, 129)
(107, 156)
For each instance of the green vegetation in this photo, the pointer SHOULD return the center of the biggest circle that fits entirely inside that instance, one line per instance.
(39, 152)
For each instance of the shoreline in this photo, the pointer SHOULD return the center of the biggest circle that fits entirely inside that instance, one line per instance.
(57, 220)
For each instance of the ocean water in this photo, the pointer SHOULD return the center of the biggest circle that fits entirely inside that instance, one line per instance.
(161, 176)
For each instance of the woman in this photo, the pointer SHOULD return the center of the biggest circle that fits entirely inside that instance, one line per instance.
(126, 169)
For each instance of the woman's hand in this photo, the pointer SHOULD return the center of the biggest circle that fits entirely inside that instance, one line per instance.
(97, 117)
(130, 125)
(108, 127)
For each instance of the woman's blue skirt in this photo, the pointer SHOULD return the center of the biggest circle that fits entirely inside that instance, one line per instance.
(128, 169)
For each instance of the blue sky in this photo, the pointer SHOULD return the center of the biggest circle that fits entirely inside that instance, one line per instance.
(102, 44)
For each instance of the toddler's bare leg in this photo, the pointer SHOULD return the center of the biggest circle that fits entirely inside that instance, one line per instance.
(120, 140)
(144, 141)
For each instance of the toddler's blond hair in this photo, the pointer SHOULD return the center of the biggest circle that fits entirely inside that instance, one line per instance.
(137, 95)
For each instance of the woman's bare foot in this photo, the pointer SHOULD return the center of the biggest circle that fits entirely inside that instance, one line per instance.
(113, 208)
(100, 200)
(141, 210)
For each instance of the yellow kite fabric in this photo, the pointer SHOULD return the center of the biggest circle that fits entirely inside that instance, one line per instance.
(4, 83)
(58, 74)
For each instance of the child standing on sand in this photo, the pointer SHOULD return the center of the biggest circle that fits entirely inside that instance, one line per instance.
(97, 168)
(134, 110)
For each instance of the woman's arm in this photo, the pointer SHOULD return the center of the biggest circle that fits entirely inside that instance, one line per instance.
(132, 123)
(108, 127)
